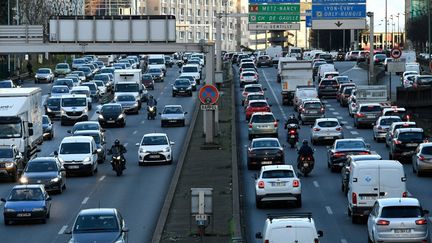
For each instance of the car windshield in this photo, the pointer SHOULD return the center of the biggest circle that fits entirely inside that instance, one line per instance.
(154, 140)
(78, 61)
(62, 66)
(6, 153)
(248, 65)
(6, 84)
(80, 73)
(107, 70)
(101, 77)
(312, 105)
(350, 145)
(45, 120)
(427, 150)
(41, 166)
(410, 136)
(122, 87)
(250, 74)
(190, 69)
(265, 144)
(111, 109)
(156, 61)
(328, 124)
(26, 194)
(253, 89)
(75, 148)
(10, 129)
(389, 121)
(328, 82)
(99, 83)
(348, 90)
(95, 136)
(85, 126)
(95, 223)
(182, 82)
(90, 85)
(255, 97)
(262, 119)
(190, 78)
(342, 79)
(85, 69)
(370, 108)
(125, 98)
(154, 70)
(395, 113)
(401, 212)
(84, 92)
(60, 90)
(53, 102)
(273, 174)
(43, 71)
(147, 77)
(71, 102)
(424, 80)
(258, 104)
(172, 110)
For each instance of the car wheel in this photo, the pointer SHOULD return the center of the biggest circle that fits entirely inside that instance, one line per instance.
(354, 219)
(15, 177)
(419, 173)
(140, 163)
(258, 203)
(369, 239)
(298, 203)
(183, 123)
(173, 95)
(390, 156)
(6, 221)
(313, 142)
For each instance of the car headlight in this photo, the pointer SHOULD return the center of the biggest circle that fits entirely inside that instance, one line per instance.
(36, 76)
(167, 149)
(174, 88)
(9, 210)
(161, 76)
(87, 160)
(23, 180)
(9, 164)
(38, 209)
(135, 105)
(63, 112)
(101, 117)
(119, 241)
(99, 150)
(142, 150)
(85, 110)
(120, 116)
(49, 110)
(55, 180)
(151, 108)
(190, 87)
(117, 157)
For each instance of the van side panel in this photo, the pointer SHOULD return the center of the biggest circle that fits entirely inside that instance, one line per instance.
(367, 181)
(291, 235)
(391, 182)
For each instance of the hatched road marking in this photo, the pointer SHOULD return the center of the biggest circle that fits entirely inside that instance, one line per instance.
(348, 127)
(354, 132)
(316, 183)
(85, 200)
(62, 230)
(329, 210)
(102, 178)
(331, 109)
(336, 113)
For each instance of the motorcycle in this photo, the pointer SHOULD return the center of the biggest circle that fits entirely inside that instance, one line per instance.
(179, 63)
(305, 164)
(118, 162)
(292, 136)
(151, 112)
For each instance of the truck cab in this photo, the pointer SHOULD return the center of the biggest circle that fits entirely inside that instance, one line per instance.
(129, 82)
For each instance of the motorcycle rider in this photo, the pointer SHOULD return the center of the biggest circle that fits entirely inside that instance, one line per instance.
(118, 148)
(304, 151)
(151, 102)
(291, 120)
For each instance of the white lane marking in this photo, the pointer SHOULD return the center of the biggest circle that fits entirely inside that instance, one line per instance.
(161, 93)
(348, 127)
(126, 144)
(85, 200)
(339, 117)
(329, 210)
(329, 105)
(135, 132)
(344, 241)
(325, 102)
(245, 145)
(62, 230)
(94, 117)
(142, 122)
(331, 109)
(336, 113)
(355, 67)
(274, 95)
(102, 178)
(354, 132)
(316, 183)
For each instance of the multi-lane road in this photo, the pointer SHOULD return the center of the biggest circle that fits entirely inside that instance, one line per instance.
(138, 194)
(321, 193)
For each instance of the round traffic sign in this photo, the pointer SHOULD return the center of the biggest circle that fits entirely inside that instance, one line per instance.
(396, 53)
(208, 94)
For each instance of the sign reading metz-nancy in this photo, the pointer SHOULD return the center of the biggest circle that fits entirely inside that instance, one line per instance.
(274, 1)
(338, 14)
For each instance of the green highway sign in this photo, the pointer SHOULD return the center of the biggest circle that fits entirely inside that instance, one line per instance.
(275, 8)
(279, 18)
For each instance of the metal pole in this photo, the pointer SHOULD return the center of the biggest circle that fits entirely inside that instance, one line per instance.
(209, 115)
(390, 84)
(218, 42)
(371, 50)
(398, 31)
(429, 32)
(343, 42)
(385, 31)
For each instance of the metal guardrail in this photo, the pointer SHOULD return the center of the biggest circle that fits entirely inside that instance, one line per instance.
(13, 34)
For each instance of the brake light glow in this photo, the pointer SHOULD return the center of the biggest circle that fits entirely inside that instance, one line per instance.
(266, 241)
(338, 129)
(261, 184)
(322, 109)
(405, 125)
(316, 240)
(421, 157)
(404, 194)
(421, 222)
(360, 115)
(250, 125)
(383, 222)
(316, 129)
(363, 153)
(292, 131)
(338, 154)
(275, 124)
(241, 76)
(296, 183)
(354, 198)
(397, 141)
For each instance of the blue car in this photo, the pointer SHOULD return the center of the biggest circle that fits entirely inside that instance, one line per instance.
(27, 202)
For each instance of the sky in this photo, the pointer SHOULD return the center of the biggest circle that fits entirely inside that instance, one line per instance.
(393, 8)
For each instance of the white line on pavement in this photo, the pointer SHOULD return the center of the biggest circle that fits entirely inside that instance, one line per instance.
(135, 132)
(245, 145)
(316, 183)
(62, 230)
(85, 200)
(339, 117)
(142, 122)
(331, 109)
(329, 210)
(344, 241)
(348, 127)
(354, 132)
(102, 178)
(329, 105)
(335, 113)
(276, 97)
(94, 117)
(126, 144)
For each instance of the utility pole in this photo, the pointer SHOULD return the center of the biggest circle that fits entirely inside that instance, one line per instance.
(218, 42)
(385, 31)
(429, 32)
(371, 49)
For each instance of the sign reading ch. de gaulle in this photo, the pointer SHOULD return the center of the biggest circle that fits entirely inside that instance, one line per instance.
(274, 13)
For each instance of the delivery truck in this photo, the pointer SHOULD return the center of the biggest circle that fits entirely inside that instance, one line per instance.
(129, 81)
(293, 74)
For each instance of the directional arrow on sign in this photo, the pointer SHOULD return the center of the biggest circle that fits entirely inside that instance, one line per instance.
(338, 24)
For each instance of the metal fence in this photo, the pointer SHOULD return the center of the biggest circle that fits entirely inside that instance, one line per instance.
(13, 34)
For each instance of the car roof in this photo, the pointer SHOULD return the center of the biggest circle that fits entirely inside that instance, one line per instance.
(264, 139)
(81, 132)
(72, 139)
(369, 104)
(74, 96)
(87, 122)
(402, 122)
(327, 119)
(40, 186)
(262, 113)
(256, 101)
(349, 139)
(254, 93)
(37, 159)
(394, 108)
(365, 157)
(404, 201)
(252, 85)
(81, 87)
(173, 106)
(276, 167)
(248, 72)
(410, 129)
(100, 211)
(110, 104)
(60, 86)
(155, 134)
(388, 117)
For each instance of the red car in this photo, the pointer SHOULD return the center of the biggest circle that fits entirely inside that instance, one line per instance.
(256, 106)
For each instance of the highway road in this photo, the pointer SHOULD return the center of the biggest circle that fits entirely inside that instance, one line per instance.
(138, 194)
(321, 193)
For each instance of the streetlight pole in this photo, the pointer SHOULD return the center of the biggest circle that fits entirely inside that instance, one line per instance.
(385, 31)
(398, 30)
(371, 49)
(429, 32)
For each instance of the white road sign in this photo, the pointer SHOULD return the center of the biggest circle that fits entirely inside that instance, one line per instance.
(274, 26)
(338, 24)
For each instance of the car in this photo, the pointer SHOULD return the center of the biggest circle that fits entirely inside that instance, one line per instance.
(52, 107)
(155, 148)
(408, 80)
(12, 162)
(277, 183)
(182, 86)
(78, 155)
(252, 88)
(262, 124)
(345, 171)
(345, 95)
(101, 86)
(253, 96)
(386, 62)
(81, 75)
(326, 129)
(99, 225)
(422, 159)
(99, 140)
(87, 71)
(148, 81)
(119, 65)
(315, 67)
(173, 115)
(44, 74)
(328, 87)
(64, 81)
(367, 114)
(303, 92)
(25, 203)
(192, 80)
(192, 69)
(125, 63)
(405, 142)
(310, 110)
(398, 220)
(382, 125)
(57, 91)
(264, 60)
(248, 78)
(107, 70)
(169, 61)
(100, 64)
(379, 59)
(341, 88)
(86, 125)
(396, 111)
(128, 103)
(157, 74)
(264, 151)
(62, 69)
(83, 90)
(111, 114)
(408, 73)
(77, 62)
(256, 106)
(75, 79)
(247, 65)
(341, 148)
(394, 126)
(47, 128)
(47, 171)
(8, 84)
(106, 78)
(422, 80)
(94, 91)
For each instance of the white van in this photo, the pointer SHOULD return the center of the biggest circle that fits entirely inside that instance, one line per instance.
(412, 66)
(84, 90)
(289, 228)
(78, 155)
(74, 108)
(368, 179)
(324, 68)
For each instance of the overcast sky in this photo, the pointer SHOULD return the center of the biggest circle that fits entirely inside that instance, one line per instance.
(393, 8)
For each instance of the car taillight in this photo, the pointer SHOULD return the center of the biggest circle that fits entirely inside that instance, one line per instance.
(316, 240)
(407, 117)
(266, 241)
(363, 153)
(383, 222)
(405, 125)
(250, 125)
(241, 76)
(397, 141)
(354, 198)
(421, 222)
(404, 194)
(296, 183)
(302, 110)
(322, 109)
(255, 76)
(339, 129)
(338, 154)
(360, 115)
(421, 158)
(316, 129)
(292, 131)
(261, 184)
(275, 124)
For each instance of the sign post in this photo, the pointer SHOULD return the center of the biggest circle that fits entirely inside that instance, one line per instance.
(394, 66)
(209, 95)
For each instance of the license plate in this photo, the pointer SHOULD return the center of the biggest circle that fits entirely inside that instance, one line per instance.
(111, 121)
(313, 112)
(328, 87)
(292, 136)
(181, 91)
(398, 231)
(154, 156)
(370, 116)
(172, 120)
(306, 165)
(411, 145)
(368, 197)
(24, 215)
(263, 127)
(73, 167)
(328, 137)
(278, 184)
(266, 162)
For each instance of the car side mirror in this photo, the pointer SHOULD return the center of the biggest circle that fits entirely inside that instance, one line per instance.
(368, 145)
(18, 156)
(172, 143)
(258, 235)
(48, 199)
(62, 169)
(320, 233)
(125, 229)
(68, 232)
(55, 153)
(264, 89)
(185, 112)
(69, 131)
(277, 120)
(98, 112)
(342, 124)
(179, 71)
(3, 200)
(137, 144)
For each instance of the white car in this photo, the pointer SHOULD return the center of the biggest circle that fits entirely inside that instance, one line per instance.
(326, 129)
(154, 148)
(382, 126)
(248, 78)
(78, 154)
(173, 115)
(277, 183)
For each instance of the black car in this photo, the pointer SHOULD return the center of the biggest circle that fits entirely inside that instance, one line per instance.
(337, 154)
(405, 142)
(47, 128)
(264, 151)
(157, 74)
(264, 60)
(340, 56)
(11, 162)
(379, 59)
(64, 81)
(87, 71)
(182, 87)
(111, 114)
(328, 87)
(52, 107)
(47, 171)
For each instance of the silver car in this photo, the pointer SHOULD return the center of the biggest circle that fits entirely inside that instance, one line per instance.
(310, 110)
(44, 74)
(367, 114)
(382, 126)
(262, 124)
(128, 103)
(326, 129)
(397, 220)
(422, 159)
(173, 115)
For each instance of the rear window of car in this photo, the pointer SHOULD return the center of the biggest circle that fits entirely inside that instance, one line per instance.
(424, 80)
(265, 144)
(253, 89)
(401, 212)
(263, 119)
(328, 82)
(389, 121)
(312, 105)
(270, 174)
(258, 104)
(370, 108)
(350, 145)
(348, 91)
(410, 136)
(427, 150)
(255, 97)
(263, 58)
(395, 113)
(328, 124)
(404, 126)
(248, 65)
(248, 74)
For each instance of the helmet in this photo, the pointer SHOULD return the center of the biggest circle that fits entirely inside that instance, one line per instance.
(305, 142)
(117, 142)
(292, 116)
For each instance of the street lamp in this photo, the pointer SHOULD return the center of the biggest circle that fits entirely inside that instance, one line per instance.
(371, 49)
